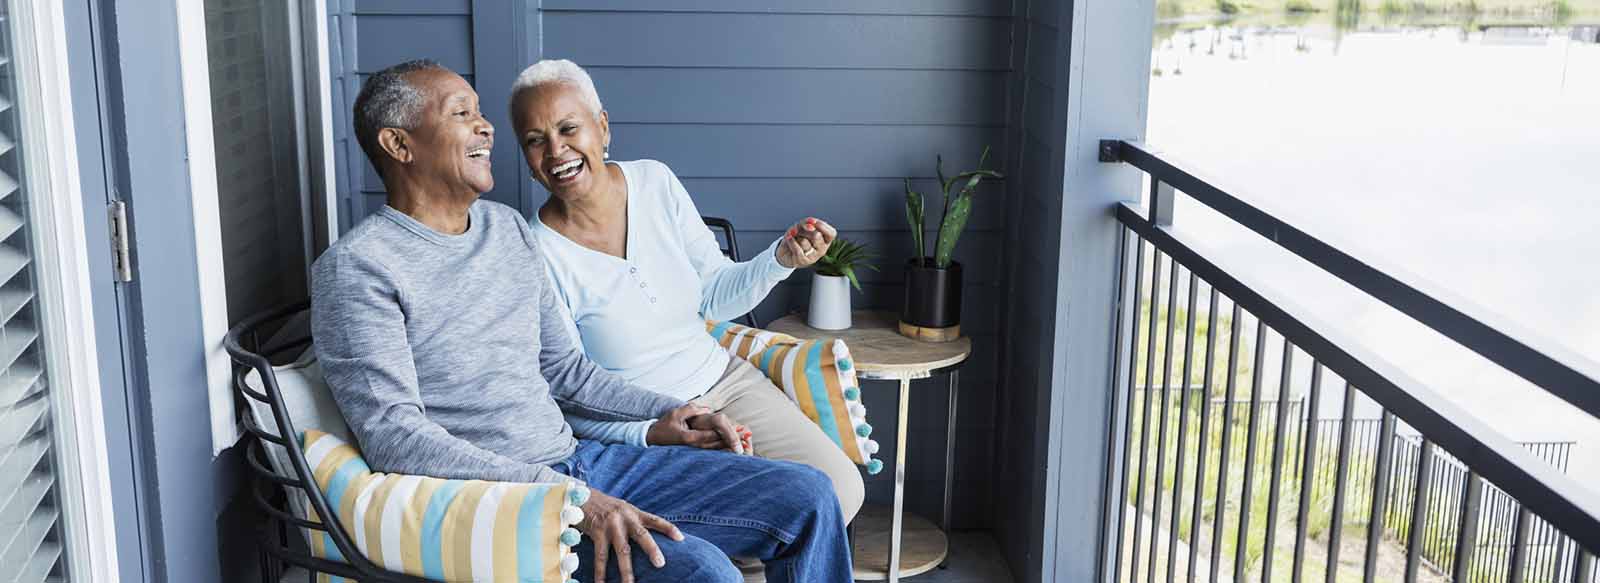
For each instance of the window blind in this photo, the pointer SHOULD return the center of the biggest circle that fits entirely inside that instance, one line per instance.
(30, 520)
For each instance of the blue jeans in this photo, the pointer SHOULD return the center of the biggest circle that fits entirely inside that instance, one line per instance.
(783, 513)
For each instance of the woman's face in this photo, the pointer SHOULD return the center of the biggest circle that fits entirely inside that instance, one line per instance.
(562, 140)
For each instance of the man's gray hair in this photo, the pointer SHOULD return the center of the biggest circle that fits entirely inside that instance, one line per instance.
(388, 100)
(563, 71)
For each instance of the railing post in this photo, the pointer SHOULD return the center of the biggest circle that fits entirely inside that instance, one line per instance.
(1380, 492)
(1127, 347)
(1467, 529)
(1419, 509)
(1341, 471)
(1161, 197)
(1519, 544)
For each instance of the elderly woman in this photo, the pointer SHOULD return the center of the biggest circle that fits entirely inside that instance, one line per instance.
(639, 273)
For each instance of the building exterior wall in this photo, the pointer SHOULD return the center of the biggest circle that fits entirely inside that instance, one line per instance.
(1081, 75)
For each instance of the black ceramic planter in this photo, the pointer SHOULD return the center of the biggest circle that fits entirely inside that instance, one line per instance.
(933, 295)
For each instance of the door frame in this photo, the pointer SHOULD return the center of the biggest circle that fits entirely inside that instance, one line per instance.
(195, 71)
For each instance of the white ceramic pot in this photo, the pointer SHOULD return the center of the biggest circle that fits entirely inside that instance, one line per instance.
(830, 302)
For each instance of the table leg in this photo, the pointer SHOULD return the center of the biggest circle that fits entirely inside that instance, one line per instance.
(950, 456)
(897, 520)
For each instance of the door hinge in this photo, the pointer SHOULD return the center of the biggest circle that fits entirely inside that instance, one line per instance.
(121, 259)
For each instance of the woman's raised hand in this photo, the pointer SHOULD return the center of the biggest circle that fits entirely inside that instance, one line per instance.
(805, 243)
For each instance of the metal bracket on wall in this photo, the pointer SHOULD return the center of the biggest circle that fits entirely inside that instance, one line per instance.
(121, 258)
(1110, 150)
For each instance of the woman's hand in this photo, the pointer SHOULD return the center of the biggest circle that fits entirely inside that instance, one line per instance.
(805, 243)
(730, 435)
(696, 426)
(611, 523)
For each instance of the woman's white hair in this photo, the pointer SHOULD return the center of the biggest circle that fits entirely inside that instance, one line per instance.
(563, 71)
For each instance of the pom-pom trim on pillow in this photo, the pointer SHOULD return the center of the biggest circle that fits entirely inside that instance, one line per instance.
(817, 375)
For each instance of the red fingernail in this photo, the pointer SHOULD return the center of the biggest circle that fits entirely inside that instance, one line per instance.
(811, 220)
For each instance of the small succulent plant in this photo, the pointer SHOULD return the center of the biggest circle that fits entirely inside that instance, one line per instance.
(956, 210)
(842, 259)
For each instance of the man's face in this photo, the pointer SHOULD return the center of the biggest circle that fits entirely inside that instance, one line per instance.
(452, 140)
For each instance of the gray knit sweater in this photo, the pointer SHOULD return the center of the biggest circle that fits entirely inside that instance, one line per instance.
(445, 352)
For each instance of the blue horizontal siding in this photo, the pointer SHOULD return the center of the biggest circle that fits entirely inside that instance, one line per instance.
(801, 96)
(851, 204)
(800, 151)
(786, 41)
(996, 8)
(386, 39)
(413, 7)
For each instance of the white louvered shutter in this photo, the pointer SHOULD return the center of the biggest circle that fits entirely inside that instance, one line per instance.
(31, 541)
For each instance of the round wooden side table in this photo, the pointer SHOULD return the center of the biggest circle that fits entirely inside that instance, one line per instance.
(914, 544)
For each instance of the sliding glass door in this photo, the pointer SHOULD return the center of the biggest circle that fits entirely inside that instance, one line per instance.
(52, 464)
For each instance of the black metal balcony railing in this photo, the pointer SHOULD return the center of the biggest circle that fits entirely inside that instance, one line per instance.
(1420, 491)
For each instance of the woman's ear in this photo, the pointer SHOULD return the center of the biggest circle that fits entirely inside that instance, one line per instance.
(395, 143)
(605, 128)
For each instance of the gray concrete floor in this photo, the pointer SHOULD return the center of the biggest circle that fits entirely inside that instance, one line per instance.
(974, 559)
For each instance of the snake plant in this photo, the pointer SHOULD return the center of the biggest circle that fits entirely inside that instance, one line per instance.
(956, 210)
(842, 259)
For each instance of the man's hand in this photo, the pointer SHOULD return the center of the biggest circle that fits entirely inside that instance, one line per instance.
(611, 523)
(696, 426)
(673, 429)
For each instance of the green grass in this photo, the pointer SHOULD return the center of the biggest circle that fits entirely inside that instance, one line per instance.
(1300, 6)
(1320, 515)
(1169, 410)
(1182, 341)
(1440, 522)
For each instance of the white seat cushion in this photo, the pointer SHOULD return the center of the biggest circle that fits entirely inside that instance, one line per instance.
(308, 403)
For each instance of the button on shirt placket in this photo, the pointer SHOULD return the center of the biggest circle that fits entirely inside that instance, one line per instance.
(634, 272)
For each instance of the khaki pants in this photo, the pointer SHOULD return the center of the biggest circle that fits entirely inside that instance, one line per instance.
(780, 431)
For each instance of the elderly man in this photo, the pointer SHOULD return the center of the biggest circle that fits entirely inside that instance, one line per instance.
(441, 342)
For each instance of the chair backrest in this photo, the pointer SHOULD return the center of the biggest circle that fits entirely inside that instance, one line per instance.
(278, 402)
(730, 248)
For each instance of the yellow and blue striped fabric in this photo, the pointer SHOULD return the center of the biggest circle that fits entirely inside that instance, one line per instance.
(817, 375)
(445, 530)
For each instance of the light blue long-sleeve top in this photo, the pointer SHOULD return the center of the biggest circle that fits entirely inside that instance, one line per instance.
(642, 317)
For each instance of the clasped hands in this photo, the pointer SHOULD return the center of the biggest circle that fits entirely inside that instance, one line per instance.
(697, 426)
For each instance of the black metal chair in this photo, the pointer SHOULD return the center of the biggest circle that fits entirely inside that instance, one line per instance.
(730, 249)
(269, 489)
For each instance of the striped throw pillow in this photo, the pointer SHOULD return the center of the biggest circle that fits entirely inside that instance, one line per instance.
(446, 530)
(817, 375)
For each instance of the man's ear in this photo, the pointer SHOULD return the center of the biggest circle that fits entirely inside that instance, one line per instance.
(396, 143)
